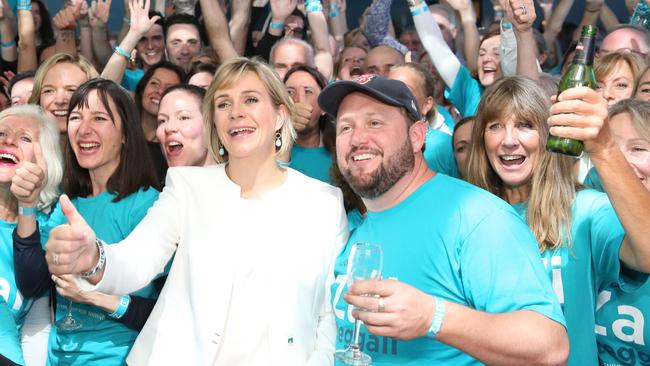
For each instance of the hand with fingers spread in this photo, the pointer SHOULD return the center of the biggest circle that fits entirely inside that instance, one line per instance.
(401, 311)
(99, 12)
(581, 114)
(140, 21)
(521, 13)
(71, 248)
(29, 179)
(67, 17)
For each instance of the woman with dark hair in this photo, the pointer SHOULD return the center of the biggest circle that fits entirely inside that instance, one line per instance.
(310, 154)
(147, 97)
(20, 87)
(201, 74)
(109, 178)
(42, 24)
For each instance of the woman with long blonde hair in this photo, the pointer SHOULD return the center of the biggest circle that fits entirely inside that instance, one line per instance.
(578, 233)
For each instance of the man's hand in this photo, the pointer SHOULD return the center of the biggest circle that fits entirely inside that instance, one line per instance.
(71, 248)
(407, 312)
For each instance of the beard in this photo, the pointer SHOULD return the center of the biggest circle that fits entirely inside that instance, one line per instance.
(379, 181)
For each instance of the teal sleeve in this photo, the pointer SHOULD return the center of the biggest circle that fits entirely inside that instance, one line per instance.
(466, 92)
(9, 336)
(50, 220)
(607, 235)
(502, 270)
(439, 153)
(140, 204)
(131, 78)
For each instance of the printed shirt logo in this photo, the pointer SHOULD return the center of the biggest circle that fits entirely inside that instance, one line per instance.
(365, 78)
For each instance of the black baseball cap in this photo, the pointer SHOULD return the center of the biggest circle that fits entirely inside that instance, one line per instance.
(392, 92)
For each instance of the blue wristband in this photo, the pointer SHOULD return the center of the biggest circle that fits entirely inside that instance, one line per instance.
(26, 211)
(120, 51)
(313, 5)
(8, 45)
(274, 25)
(438, 316)
(420, 10)
(125, 300)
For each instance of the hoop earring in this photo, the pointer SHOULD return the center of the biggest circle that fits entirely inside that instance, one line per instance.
(278, 140)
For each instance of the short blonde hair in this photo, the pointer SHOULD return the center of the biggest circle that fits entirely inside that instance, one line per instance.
(227, 76)
(50, 147)
(639, 112)
(55, 59)
(607, 64)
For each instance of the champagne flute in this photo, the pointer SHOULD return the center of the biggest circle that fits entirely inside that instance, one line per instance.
(365, 263)
(68, 323)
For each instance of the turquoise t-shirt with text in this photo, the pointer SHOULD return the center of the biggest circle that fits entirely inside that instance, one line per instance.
(101, 341)
(447, 239)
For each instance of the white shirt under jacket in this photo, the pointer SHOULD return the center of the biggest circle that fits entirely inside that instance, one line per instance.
(278, 250)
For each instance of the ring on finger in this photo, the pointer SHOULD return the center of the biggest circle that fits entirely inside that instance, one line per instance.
(523, 9)
(55, 259)
(381, 305)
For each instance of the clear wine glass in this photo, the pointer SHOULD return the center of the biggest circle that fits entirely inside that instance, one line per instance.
(68, 323)
(365, 263)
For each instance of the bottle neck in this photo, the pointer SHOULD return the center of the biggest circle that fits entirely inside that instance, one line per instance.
(585, 51)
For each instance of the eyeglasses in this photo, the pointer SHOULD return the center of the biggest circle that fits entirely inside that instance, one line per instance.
(289, 30)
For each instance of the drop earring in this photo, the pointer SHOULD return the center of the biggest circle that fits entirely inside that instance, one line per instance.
(278, 140)
(222, 151)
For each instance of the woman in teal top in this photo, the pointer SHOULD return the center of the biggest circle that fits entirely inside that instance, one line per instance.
(578, 232)
(28, 138)
(110, 180)
(621, 331)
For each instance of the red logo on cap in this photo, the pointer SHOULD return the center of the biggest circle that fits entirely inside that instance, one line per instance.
(362, 79)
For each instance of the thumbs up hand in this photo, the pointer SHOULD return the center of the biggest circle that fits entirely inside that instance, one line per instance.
(71, 248)
(29, 179)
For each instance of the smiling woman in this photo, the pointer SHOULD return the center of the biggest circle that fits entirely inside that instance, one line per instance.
(578, 233)
(55, 81)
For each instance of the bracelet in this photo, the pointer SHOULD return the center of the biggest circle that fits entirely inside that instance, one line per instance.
(275, 25)
(126, 20)
(120, 51)
(125, 300)
(592, 10)
(333, 14)
(100, 262)
(420, 10)
(438, 316)
(26, 211)
(313, 5)
(24, 7)
(9, 44)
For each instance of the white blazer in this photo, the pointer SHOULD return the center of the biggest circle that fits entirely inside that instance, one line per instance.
(302, 224)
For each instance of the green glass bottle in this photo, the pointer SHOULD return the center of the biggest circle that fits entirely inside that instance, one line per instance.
(579, 73)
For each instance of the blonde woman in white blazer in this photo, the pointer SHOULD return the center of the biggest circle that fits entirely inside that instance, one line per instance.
(254, 242)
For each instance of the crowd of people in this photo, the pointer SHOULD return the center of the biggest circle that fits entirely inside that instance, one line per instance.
(143, 178)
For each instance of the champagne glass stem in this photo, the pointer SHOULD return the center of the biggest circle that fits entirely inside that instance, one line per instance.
(69, 309)
(355, 337)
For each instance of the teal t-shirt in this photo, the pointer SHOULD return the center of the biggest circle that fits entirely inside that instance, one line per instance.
(101, 341)
(9, 335)
(131, 78)
(592, 180)
(355, 218)
(314, 162)
(448, 239)
(591, 262)
(623, 338)
(439, 153)
(466, 93)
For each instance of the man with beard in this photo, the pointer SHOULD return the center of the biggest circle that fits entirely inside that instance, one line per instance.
(465, 281)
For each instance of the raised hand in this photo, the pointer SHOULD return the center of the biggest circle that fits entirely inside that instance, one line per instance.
(71, 247)
(140, 21)
(521, 13)
(29, 179)
(460, 5)
(281, 9)
(99, 12)
(581, 114)
(303, 116)
(67, 17)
